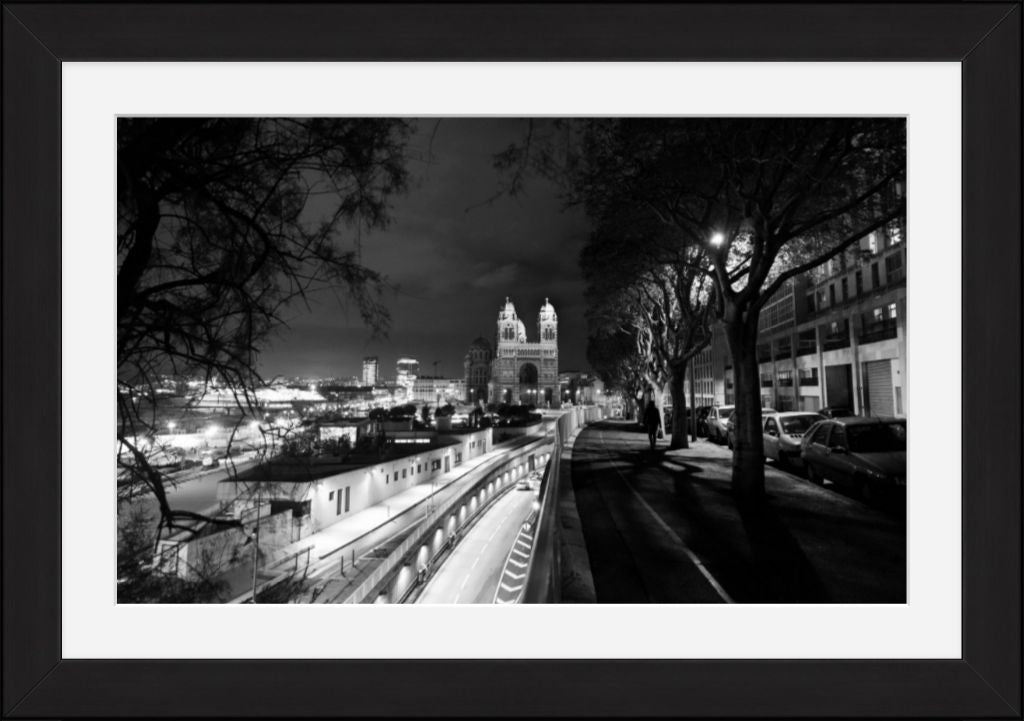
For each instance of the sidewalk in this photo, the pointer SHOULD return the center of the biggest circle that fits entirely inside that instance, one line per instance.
(650, 518)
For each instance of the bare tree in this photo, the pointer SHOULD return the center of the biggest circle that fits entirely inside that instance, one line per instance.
(222, 224)
(647, 282)
(764, 200)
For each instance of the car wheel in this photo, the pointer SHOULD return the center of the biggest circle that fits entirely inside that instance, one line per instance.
(812, 475)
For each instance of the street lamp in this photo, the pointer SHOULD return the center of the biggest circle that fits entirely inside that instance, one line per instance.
(717, 239)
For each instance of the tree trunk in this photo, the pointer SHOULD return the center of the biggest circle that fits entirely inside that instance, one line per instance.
(693, 405)
(678, 391)
(748, 447)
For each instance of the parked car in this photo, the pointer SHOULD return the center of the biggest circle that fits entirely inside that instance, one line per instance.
(702, 421)
(783, 433)
(717, 417)
(730, 426)
(867, 454)
(836, 412)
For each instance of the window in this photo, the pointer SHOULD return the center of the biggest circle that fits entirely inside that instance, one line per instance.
(873, 243)
(877, 316)
(766, 380)
(821, 435)
(403, 473)
(875, 282)
(895, 232)
(859, 282)
(838, 437)
(418, 468)
(786, 379)
(832, 294)
(808, 376)
(891, 310)
(330, 496)
(846, 289)
(894, 268)
(337, 509)
(347, 489)
(771, 427)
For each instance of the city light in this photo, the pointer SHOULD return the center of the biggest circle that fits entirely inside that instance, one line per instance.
(212, 430)
(717, 239)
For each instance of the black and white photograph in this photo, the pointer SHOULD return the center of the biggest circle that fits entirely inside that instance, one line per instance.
(512, 360)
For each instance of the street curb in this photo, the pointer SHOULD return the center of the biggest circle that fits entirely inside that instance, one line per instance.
(577, 579)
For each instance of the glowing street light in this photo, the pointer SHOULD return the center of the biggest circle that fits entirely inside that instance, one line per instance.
(171, 425)
(717, 239)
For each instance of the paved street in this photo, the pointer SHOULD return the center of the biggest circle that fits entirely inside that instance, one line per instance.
(470, 574)
(662, 527)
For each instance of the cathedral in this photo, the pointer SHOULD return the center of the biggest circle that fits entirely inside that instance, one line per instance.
(517, 371)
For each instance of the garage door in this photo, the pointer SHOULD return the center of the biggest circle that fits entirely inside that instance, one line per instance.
(878, 388)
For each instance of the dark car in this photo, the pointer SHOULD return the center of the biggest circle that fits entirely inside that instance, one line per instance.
(867, 454)
(836, 412)
(702, 421)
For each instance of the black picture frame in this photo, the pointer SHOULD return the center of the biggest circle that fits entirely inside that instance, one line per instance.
(985, 37)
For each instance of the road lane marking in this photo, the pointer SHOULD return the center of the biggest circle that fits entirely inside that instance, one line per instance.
(668, 529)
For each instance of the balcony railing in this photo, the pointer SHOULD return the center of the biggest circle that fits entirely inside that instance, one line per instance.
(835, 342)
(874, 332)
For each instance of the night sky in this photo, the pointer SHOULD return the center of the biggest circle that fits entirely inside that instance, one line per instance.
(452, 259)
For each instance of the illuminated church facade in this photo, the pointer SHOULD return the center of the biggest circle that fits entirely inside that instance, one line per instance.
(525, 372)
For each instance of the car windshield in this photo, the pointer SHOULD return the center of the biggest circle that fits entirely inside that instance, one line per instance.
(799, 424)
(877, 437)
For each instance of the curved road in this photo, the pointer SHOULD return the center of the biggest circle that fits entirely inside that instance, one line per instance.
(471, 573)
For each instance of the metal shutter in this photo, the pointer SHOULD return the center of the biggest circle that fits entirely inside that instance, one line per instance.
(878, 379)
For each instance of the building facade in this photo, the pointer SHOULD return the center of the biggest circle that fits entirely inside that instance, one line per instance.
(477, 366)
(371, 368)
(438, 391)
(523, 372)
(406, 372)
(836, 337)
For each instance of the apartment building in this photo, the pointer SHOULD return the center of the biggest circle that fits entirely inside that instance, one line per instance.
(835, 337)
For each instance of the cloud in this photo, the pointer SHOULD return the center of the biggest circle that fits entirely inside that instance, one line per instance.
(503, 275)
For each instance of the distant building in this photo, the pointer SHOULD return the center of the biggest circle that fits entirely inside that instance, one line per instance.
(523, 372)
(478, 370)
(438, 391)
(407, 370)
(370, 371)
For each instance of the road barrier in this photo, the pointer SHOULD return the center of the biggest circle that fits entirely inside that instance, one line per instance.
(544, 574)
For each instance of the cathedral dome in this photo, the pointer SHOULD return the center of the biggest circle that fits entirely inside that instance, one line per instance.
(547, 307)
(508, 311)
(480, 343)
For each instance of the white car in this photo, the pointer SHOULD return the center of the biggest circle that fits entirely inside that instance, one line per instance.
(783, 433)
(717, 418)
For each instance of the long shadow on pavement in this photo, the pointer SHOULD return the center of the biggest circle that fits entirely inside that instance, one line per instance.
(749, 549)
